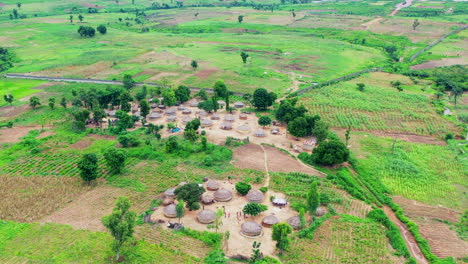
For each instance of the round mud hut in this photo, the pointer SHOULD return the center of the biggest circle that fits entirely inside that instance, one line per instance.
(226, 126)
(206, 216)
(251, 229)
(269, 221)
(181, 108)
(212, 185)
(154, 115)
(171, 111)
(170, 192)
(222, 195)
(295, 222)
(214, 117)
(171, 118)
(244, 128)
(275, 130)
(239, 104)
(255, 196)
(186, 111)
(167, 201)
(207, 199)
(170, 211)
(320, 211)
(229, 118)
(193, 103)
(187, 119)
(260, 133)
(221, 103)
(206, 123)
(243, 117)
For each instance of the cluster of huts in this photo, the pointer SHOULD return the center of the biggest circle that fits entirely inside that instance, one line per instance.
(218, 194)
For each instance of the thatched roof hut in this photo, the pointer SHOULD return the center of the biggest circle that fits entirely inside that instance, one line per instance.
(138, 114)
(215, 117)
(229, 118)
(245, 128)
(207, 199)
(243, 117)
(251, 229)
(135, 109)
(226, 126)
(222, 195)
(255, 196)
(279, 202)
(154, 106)
(221, 103)
(202, 113)
(270, 220)
(320, 211)
(154, 115)
(212, 185)
(112, 113)
(187, 119)
(206, 123)
(171, 111)
(170, 192)
(186, 111)
(275, 130)
(170, 211)
(193, 103)
(295, 222)
(206, 216)
(161, 106)
(259, 133)
(309, 144)
(239, 104)
(171, 118)
(181, 108)
(167, 201)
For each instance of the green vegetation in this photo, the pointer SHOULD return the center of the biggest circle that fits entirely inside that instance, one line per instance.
(243, 188)
(254, 209)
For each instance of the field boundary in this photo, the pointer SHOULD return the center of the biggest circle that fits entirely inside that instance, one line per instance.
(96, 81)
(437, 42)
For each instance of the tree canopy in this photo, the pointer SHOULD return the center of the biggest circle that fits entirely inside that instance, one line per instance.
(182, 93)
(86, 31)
(264, 121)
(115, 160)
(88, 166)
(243, 188)
(262, 99)
(330, 153)
(190, 193)
(220, 89)
(313, 198)
(280, 235)
(254, 208)
(6, 59)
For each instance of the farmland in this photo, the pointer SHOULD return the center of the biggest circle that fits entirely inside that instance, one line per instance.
(303, 127)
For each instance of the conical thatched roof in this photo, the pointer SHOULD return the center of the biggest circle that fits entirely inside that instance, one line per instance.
(170, 192)
(215, 117)
(275, 130)
(202, 113)
(255, 196)
(206, 122)
(229, 118)
(207, 199)
(171, 118)
(239, 104)
(188, 119)
(269, 220)
(221, 103)
(206, 217)
(226, 126)
(171, 111)
(244, 128)
(193, 103)
(167, 201)
(243, 116)
(222, 195)
(295, 222)
(170, 211)
(186, 111)
(260, 133)
(212, 185)
(320, 211)
(180, 107)
(154, 115)
(251, 228)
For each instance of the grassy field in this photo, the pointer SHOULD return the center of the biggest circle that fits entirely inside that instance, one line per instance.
(427, 173)
(17, 88)
(379, 107)
(343, 239)
(53, 243)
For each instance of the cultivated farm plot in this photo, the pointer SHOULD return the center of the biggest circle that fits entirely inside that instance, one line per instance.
(344, 241)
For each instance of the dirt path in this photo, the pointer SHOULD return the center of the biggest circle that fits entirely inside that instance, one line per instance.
(370, 23)
(407, 3)
(407, 236)
(267, 174)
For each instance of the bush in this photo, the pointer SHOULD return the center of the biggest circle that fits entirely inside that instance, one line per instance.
(216, 257)
(128, 141)
(243, 188)
(330, 153)
(263, 189)
(449, 136)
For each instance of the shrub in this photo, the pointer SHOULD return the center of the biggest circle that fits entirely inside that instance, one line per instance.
(128, 141)
(263, 189)
(330, 153)
(243, 188)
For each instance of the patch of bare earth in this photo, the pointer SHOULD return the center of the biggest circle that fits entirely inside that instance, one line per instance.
(14, 134)
(249, 156)
(440, 63)
(86, 210)
(279, 161)
(411, 138)
(417, 209)
(204, 74)
(28, 199)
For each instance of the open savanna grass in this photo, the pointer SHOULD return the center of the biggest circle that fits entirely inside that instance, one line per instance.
(339, 21)
(453, 47)
(430, 174)
(53, 243)
(17, 88)
(30, 198)
(343, 239)
(377, 108)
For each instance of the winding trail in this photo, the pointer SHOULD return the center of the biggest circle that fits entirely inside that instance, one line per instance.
(265, 160)
(407, 3)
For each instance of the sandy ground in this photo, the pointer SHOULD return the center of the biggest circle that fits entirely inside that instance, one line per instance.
(417, 209)
(237, 243)
(86, 211)
(440, 63)
(14, 134)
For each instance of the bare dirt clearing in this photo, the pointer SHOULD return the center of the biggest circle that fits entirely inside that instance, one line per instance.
(249, 156)
(440, 63)
(28, 199)
(86, 210)
(279, 161)
(14, 134)
(417, 209)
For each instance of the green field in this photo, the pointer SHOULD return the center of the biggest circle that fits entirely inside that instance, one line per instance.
(17, 88)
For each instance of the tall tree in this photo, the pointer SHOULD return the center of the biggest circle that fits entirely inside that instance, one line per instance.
(191, 194)
(330, 153)
(121, 224)
(264, 121)
(254, 209)
(128, 81)
(416, 24)
(169, 98)
(182, 93)
(144, 108)
(81, 17)
(244, 57)
(220, 89)
(8, 98)
(102, 29)
(52, 102)
(88, 166)
(63, 102)
(456, 92)
(180, 209)
(218, 222)
(240, 18)
(194, 64)
(71, 18)
(320, 131)
(6, 59)
(298, 127)
(313, 198)
(280, 235)
(262, 99)
(34, 102)
(348, 135)
(115, 160)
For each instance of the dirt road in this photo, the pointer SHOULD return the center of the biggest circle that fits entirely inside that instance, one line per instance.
(400, 6)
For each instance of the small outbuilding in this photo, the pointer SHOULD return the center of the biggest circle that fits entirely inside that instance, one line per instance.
(239, 104)
(251, 229)
(161, 106)
(222, 195)
(214, 117)
(206, 216)
(154, 115)
(206, 123)
(167, 201)
(212, 185)
(226, 126)
(229, 118)
(202, 113)
(171, 111)
(181, 108)
(243, 117)
(269, 221)
(171, 118)
(320, 211)
(245, 128)
(255, 196)
(187, 119)
(170, 211)
(186, 111)
(309, 144)
(295, 222)
(275, 130)
(207, 199)
(280, 202)
(193, 103)
(154, 106)
(170, 192)
(259, 133)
